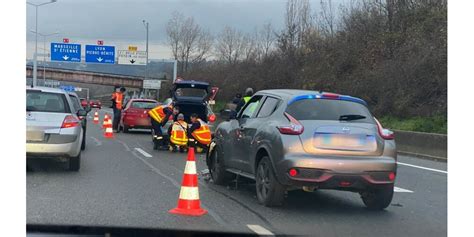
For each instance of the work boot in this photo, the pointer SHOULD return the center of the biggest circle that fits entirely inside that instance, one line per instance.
(181, 149)
(174, 149)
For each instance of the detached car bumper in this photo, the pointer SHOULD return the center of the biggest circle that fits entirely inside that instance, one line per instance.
(337, 172)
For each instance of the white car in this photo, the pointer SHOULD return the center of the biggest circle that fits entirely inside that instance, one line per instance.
(53, 127)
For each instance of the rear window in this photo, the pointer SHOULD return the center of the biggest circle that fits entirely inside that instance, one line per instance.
(323, 109)
(190, 92)
(143, 104)
(46, 102)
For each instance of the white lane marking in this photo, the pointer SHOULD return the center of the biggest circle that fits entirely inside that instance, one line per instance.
(401, 190)
(97, 142)
(260, 230)
(421, 167)
(144, 153)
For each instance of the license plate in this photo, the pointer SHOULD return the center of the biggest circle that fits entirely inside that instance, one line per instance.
(344, 141)
(35, 136)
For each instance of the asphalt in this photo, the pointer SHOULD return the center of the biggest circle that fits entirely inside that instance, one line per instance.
(118, 185)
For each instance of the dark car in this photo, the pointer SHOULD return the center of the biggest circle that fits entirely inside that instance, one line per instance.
(135, 114)
(95, 104)
(298, 139)
(77, 103)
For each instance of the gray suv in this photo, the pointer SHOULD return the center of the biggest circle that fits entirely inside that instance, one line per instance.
(298, 139)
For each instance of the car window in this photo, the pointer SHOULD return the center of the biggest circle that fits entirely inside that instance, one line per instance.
(143, 104)
(268, 107)
(250, 107)
(190, 92)
(322, 109)
(46, 102)
(75, 102)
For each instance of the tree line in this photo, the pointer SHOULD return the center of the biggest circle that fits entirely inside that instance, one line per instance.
(391, 53)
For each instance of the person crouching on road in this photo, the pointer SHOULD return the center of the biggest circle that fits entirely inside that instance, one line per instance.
(199, 133)
(179, 137)
(159, 117)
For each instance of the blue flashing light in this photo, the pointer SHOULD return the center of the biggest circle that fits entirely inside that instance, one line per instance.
(319, 96)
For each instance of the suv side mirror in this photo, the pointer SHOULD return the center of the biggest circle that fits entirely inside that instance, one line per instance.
(82, 113)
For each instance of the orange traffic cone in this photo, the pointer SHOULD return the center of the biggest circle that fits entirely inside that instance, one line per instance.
(188, 202)
(106, 118)
(108, 129)
(96, 117)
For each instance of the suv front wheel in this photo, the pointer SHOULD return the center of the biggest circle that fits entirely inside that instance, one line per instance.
(378, 198)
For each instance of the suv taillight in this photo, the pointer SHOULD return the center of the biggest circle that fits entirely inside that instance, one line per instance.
(295, 127)
(211, 118)
(385, 135)
(70, 121)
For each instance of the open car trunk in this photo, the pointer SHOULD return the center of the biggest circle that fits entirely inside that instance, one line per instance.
(188, 108)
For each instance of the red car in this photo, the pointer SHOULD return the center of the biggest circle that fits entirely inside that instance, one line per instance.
(95, 104)
(135, 114)
(84, 103)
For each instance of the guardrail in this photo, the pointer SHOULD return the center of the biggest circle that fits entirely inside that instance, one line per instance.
(424, 145)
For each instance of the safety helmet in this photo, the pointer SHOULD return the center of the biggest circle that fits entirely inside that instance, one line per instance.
(180, 116)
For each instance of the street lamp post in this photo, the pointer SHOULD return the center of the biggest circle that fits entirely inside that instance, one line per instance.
(145, 23)
(35, 56)
(44, 52)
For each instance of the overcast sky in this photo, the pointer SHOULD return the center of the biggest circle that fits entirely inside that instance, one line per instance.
(119, 22)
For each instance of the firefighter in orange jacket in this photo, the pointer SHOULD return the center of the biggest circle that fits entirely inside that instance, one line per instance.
(117, 104)
(199, 133)
(159, 117)
(179, 137)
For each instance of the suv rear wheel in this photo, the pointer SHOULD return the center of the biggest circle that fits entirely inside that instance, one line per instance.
(217, 170)
(269, 191)
(379, 198)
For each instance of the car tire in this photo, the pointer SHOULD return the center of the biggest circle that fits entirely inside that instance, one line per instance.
(269, 191)
(379, 198)
(217, 169)
(83, 143)
(75, 163)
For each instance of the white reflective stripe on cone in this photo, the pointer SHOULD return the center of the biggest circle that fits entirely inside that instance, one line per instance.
(189, 193)
(190, 167)
(108, 130)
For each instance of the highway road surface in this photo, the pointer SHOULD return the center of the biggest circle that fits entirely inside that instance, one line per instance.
(124, 182)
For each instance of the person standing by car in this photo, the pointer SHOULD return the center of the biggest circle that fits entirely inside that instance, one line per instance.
(159, 116)
(199, 133)
(117, 103)
(245, 99)
(178, 136)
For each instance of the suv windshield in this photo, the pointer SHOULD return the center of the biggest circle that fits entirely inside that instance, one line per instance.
(323, 109)
(46, 102)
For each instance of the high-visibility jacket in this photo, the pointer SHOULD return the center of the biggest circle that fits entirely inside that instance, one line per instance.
(158, 113)
(203, 133)
(178, 133)
(118, 99)
(247, 98)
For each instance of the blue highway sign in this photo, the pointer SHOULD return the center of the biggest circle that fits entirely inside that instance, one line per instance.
(65, 52)
(100, 54)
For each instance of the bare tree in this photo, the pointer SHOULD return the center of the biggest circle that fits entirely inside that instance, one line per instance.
(173, 31)
(230, 44)
(189, 42)
(298, 22)
(266, 39)
(327, 20)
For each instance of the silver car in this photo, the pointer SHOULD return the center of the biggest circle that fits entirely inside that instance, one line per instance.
(53, 127)
(297, 139)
